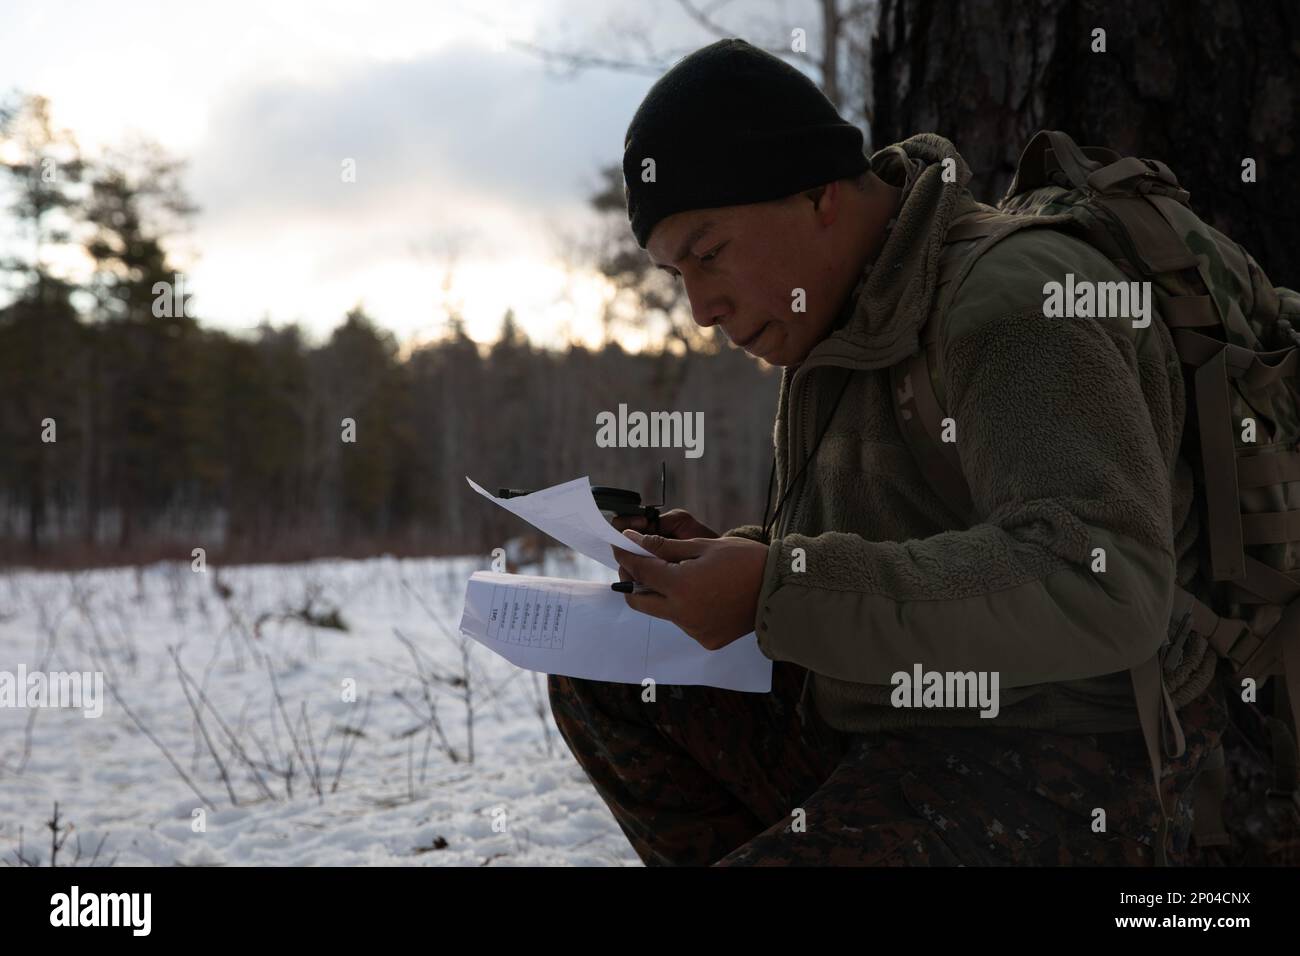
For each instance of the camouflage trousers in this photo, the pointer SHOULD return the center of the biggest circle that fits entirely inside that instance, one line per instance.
(707, 776)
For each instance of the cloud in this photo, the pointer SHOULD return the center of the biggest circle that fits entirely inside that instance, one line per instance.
(477, 150)
(431, 138)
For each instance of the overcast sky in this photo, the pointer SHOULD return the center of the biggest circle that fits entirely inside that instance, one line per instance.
(463, 144)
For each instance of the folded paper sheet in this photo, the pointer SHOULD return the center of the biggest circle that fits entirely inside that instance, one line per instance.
(568, 513)
(583, 629)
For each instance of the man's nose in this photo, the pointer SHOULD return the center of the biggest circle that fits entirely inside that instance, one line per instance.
(707, 308)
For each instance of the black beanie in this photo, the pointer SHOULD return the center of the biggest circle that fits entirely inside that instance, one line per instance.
(730, 124)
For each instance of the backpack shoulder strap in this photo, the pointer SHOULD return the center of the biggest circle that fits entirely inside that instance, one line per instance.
(917, 380)
(920, 420)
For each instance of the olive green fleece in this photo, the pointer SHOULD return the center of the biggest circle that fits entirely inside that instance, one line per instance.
(1068, 432)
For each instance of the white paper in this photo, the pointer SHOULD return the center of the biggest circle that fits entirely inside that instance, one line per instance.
(583, 629)
(568, 513)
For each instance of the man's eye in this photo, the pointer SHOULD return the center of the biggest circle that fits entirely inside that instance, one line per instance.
(712, 254)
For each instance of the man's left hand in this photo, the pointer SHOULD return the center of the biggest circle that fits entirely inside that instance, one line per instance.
(706, 586)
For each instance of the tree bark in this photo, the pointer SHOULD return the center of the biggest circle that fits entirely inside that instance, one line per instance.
(1199, 84)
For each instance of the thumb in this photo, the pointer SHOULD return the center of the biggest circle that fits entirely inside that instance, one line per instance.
(668, 549)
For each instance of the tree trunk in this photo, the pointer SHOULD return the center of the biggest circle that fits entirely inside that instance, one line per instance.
(1200, 84)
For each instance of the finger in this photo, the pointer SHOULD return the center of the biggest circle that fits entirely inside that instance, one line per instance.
(635, 522)
(670, 549)
(656, 605)
(673, 524)
(620, 555)
(675, 517)
(650, 571)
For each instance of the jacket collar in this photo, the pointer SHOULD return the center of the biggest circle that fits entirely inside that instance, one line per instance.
(880, 323)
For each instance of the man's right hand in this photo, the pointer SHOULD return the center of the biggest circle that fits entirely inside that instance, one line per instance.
(677, 524)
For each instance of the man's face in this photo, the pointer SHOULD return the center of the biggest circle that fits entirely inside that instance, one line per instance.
(741, 265)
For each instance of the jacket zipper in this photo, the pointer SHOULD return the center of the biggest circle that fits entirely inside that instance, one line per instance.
(797, 437)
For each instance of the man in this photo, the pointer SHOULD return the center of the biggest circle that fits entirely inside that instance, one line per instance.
(745, 183)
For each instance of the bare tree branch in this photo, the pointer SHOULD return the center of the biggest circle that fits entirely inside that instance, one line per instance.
(203, 729)
(575, 60)
(704, 19)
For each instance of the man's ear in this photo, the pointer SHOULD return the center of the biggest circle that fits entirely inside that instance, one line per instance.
(814, 195)
(825, 200)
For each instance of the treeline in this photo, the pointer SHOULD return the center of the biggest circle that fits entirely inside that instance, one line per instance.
(167, 436)
(129, 431)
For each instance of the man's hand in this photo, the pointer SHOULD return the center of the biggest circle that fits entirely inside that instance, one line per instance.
(707, 587)
(677, 524)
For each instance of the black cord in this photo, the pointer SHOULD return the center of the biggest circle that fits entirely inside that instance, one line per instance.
(811, 455)
(767, 501)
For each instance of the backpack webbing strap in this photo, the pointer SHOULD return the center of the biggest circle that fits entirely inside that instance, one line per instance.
(1231, 639)
(1219, 463)
(1266, 585)
(916, 409)
(1215, 363)
(1156, 245)
(1270, 527)
(1261, 470)
(1125, 169)
(1155, 707)
(1256, 369)
(1130, 174)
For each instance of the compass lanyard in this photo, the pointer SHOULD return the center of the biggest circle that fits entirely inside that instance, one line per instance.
(767, 502)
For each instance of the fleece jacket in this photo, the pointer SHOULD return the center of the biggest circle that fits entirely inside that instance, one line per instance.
(1068, 434)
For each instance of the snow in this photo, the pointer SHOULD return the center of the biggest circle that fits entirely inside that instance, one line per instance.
(401, 798)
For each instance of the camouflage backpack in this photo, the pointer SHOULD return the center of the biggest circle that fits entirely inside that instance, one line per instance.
(1239, 354)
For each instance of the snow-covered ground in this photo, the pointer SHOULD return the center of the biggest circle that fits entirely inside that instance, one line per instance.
(401, 796)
